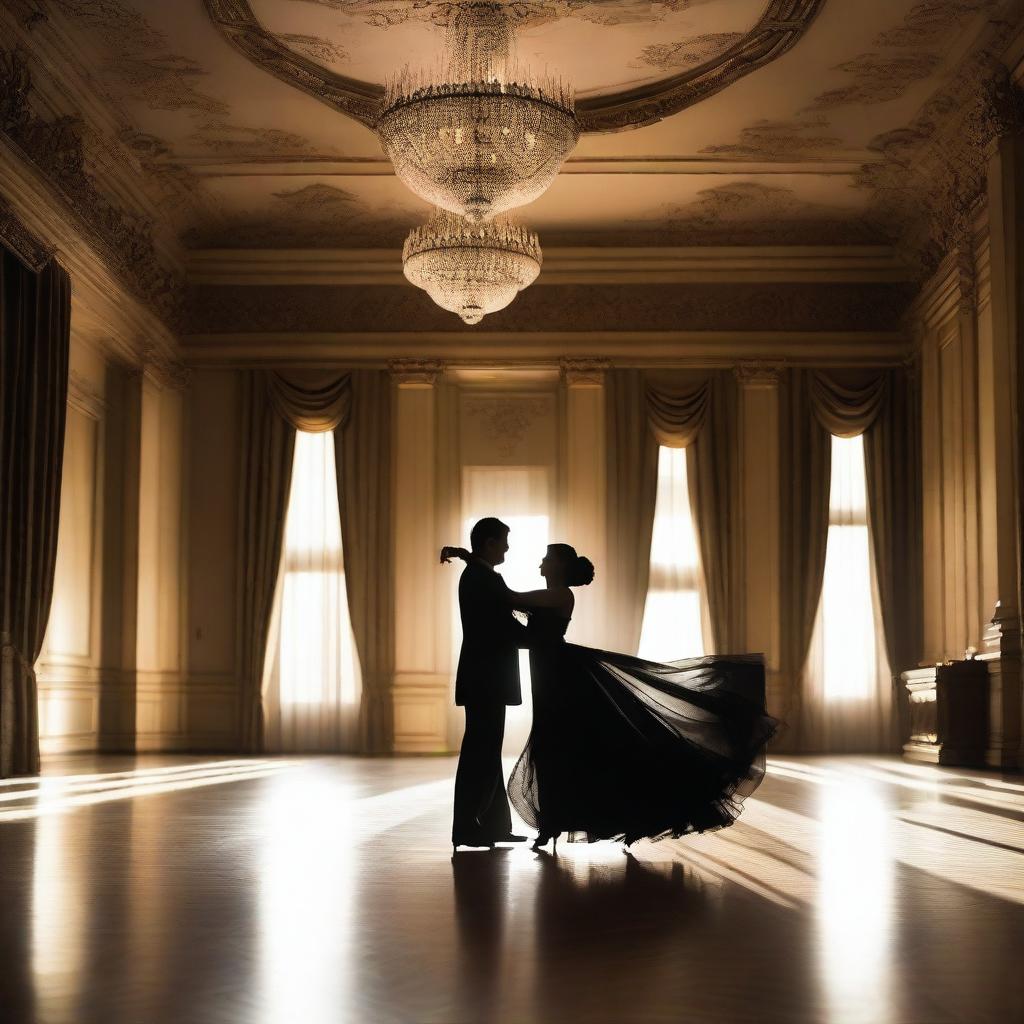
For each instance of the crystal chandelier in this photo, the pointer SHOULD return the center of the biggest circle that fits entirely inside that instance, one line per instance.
(480, 136)
(471, 269)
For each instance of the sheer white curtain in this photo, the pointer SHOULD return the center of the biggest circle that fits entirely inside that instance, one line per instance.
(518, 496)
(674, 613)
(849, 705)
(311, 683)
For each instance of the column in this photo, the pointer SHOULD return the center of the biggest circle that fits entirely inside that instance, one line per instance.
(421, 692)
(585, 451)
(1000, 404)
(759, 495)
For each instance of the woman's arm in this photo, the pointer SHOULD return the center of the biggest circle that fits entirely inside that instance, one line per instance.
(556, 598)
(448, 552)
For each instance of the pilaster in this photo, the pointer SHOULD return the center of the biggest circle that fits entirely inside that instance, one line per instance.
(759, 494)
(420, 691)
(585, 487)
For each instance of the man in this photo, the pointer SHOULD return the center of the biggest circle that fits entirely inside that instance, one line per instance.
(487, 681)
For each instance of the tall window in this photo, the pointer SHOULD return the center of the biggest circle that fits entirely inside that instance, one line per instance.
(673, 611)
(518, 496)
(848, 679)
(312, 684)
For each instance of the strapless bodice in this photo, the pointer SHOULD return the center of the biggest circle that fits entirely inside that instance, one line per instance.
(546, 626)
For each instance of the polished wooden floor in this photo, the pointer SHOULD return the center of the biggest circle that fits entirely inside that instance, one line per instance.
(191, 890)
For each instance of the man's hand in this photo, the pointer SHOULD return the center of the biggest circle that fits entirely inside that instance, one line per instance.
(448, 552)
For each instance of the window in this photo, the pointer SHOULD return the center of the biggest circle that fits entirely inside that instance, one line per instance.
(849, 690)
(673, 611)
(313, 680)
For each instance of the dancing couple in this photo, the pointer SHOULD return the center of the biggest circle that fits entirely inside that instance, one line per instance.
(620, 748)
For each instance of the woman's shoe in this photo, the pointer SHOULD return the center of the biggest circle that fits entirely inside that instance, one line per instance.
(543, 839)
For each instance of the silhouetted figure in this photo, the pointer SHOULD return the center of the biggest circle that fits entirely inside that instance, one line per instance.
(487, 681)
(623, 748)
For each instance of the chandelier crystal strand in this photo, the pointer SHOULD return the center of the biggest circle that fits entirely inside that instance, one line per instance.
(471, 269)
(480, 135)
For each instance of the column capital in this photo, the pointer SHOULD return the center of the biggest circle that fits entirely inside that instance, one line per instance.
(415, 374)
(755, 373)
(584, 373)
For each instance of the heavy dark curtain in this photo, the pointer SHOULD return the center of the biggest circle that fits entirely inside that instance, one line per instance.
(35, 317)
(268, 448)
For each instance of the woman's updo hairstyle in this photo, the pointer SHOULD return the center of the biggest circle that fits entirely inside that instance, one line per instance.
(579, 571)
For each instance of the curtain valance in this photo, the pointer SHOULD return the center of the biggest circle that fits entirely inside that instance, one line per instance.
(312, 400)
(847, 407)
(676, 413)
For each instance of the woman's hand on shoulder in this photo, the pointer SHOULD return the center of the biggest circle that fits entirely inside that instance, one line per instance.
(448, 552)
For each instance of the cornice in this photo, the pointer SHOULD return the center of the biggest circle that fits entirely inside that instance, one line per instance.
(204, 166)
(782, 25)
(621, 348)
(568, 265)
(56, 151)
(104, 314)
(932, 174)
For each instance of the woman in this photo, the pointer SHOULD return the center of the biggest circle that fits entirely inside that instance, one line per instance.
(623, 748)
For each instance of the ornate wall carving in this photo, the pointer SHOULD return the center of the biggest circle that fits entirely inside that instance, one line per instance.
(56, 148)
(933, 172)
(235, 309)
(29, 249)
(584, 373)
(415, 373)
(504, 421)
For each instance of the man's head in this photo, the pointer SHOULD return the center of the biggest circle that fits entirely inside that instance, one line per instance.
(489, 540)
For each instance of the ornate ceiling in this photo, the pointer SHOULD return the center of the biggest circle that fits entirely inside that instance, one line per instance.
(800, 122)
(780, 149)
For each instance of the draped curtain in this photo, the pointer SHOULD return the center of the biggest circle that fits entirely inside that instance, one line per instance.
(356, 406)
(681, 410)
(35, 316)
(882, 406)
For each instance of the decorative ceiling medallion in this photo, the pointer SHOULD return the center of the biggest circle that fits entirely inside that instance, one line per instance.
(781, 26)
(471, 270)
(482, 136)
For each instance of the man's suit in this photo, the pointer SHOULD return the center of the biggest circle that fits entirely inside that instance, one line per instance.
(487, 681)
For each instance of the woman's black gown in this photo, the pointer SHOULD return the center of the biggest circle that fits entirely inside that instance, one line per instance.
(625, 749)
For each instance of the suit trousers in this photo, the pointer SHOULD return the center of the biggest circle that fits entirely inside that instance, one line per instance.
(481, 805)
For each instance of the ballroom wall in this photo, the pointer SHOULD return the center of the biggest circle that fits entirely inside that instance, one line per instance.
(965, 325)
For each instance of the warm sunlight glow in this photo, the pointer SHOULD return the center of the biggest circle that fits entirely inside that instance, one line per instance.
(672, 614)
(318, 662)
(847, 607)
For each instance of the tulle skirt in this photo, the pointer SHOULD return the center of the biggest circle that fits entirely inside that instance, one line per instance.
(626, 749)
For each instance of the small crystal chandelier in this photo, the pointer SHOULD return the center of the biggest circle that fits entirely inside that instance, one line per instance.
(471, 269)
(480, 136)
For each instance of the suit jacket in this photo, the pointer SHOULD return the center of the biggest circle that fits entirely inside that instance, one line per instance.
(491, 638)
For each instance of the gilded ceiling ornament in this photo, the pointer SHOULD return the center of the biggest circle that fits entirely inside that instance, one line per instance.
(782, 25)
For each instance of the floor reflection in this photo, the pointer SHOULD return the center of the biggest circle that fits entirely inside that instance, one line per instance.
(324, 889)
(854, 905)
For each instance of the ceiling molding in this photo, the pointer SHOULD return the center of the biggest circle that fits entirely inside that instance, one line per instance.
(583, 266)
(782, 25)
(363, 167)
(548, 348)
(105, 314)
